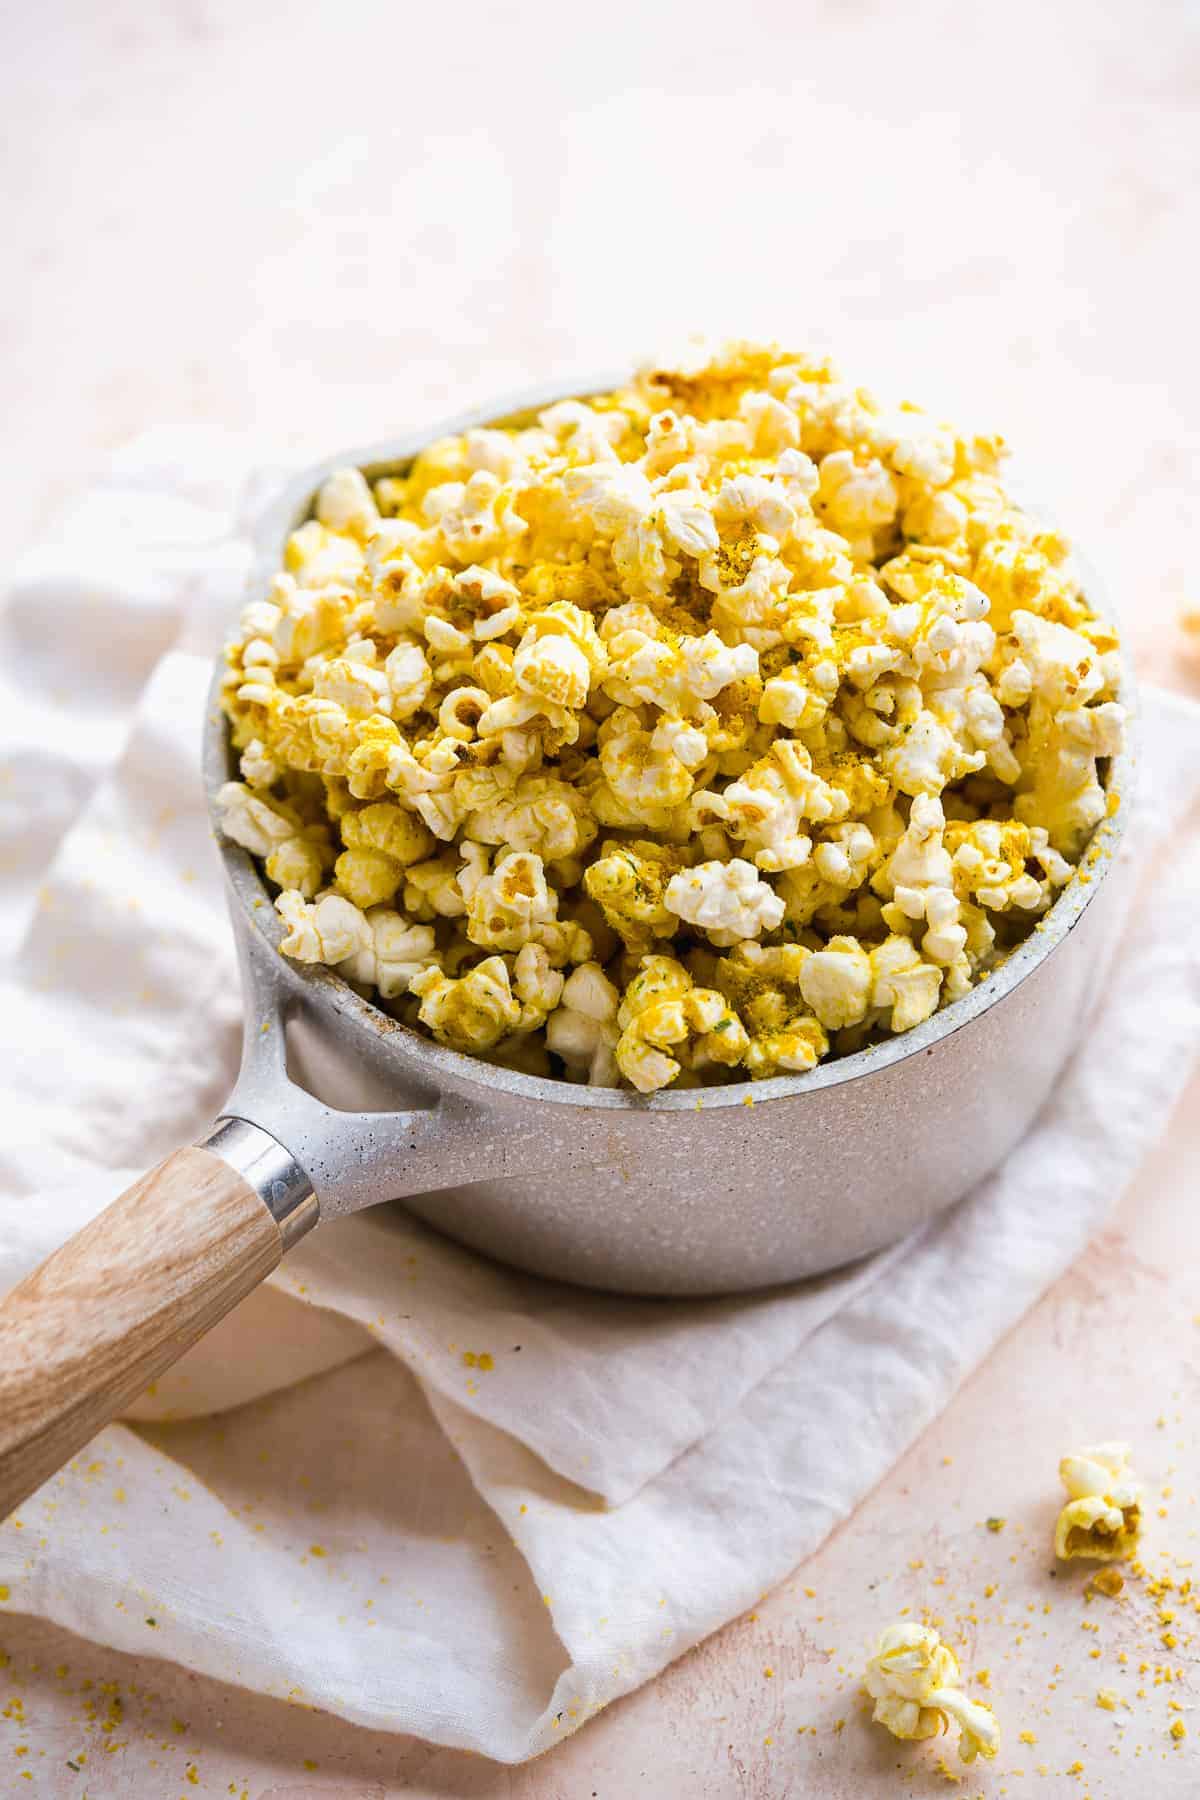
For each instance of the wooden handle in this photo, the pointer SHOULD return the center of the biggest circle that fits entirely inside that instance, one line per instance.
(106, 1314)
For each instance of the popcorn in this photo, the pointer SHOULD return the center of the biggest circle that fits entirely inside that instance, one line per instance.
(409, 679)
(768, 806)
(583, 1030)
(1061, 785)
(432, 889)
(510, 907)
(838, 983)
(527, 812)
(308, 620)
(471, 1013)
(727, 901)
(538, 985)
(919, 874)
(259, 769)
(346, 504)
(662, 1011)
(294, 855)
(913, 1679)
(558, 656)
(316, 555)
(676, 733)
(353, 681)
(629, 882)
(648, 666)
(330, 931)
(904, 986)
(381, 841)
(396, 953)
(989, 863)
(646, 779)
(928, 757)
(857, 494)
(1102, 1518)
(765, 987)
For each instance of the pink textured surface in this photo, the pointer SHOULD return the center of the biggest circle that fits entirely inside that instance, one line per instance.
(320, 225)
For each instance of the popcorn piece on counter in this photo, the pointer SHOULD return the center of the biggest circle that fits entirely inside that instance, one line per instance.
(913, 1679)
(1102, 1518)
(732, 663)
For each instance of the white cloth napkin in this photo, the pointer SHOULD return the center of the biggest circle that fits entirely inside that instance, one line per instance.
(327, 1501)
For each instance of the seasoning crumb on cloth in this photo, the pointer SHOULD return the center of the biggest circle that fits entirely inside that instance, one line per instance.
(696, 730)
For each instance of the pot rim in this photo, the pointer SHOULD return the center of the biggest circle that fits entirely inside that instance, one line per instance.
(419, 1056)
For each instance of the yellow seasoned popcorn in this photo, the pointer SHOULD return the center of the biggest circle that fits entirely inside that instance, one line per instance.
(914, 1681)
(1102, 1519)
(686, 733)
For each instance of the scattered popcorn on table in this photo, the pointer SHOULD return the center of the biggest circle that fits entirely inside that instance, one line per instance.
(690, 732)
(1102, 1518)
(913, 1679)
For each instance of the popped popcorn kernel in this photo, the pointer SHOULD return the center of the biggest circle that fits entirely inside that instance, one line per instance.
(734, 669)
(1102, 1518)
(914, 1680)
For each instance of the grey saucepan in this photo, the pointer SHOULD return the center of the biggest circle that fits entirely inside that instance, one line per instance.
(338, 1107)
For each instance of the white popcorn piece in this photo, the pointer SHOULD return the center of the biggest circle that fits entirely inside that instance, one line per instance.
(728, 901)
(513, 905)
(353, 680)
(295, 855)
(316, 556)
(838, 983)
(1070, 728)
(769, 806)
(858, 494)
(538, 812)
(398, 951)
(346, 504)
(920, 875)
(259, 769)
(329, 930)
(583, 1029)
(904, 986)
(409, 680)
(913, 1678)
(1102, 1518)
(928, 758)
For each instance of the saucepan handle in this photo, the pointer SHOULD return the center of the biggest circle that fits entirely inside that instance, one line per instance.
(106, 1314)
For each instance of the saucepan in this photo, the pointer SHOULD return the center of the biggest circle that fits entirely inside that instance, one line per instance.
(339, 1106)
